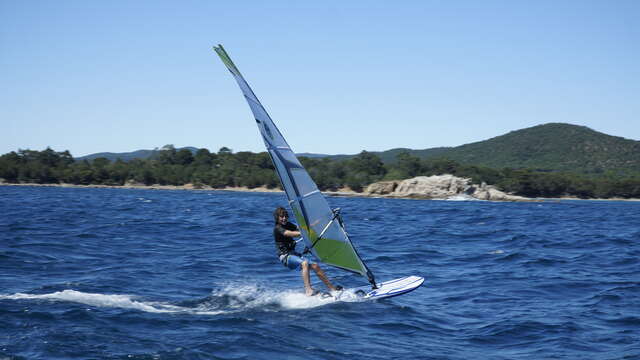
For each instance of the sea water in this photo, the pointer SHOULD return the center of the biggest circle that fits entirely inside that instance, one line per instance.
(160, 274)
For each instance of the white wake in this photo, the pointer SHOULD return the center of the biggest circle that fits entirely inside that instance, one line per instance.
(99, 300)
(231, 299)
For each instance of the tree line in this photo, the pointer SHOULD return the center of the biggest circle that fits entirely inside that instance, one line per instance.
(228, 169)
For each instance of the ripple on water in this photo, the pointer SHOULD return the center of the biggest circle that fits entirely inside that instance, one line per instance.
(116, 273)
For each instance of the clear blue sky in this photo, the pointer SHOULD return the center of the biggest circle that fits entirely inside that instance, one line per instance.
(336, 76)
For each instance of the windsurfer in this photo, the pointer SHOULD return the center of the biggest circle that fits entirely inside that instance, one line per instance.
(284, 233)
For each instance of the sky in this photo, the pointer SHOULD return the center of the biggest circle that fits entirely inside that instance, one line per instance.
(337, 77)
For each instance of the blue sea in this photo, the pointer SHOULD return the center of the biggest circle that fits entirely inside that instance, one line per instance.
(89, 273)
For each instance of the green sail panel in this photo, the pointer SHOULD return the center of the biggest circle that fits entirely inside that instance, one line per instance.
(339, 254)
(309, 206)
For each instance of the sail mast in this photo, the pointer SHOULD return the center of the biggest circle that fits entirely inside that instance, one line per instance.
(321, 229)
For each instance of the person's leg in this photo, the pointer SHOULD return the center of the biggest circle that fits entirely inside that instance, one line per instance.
(306, 278)
(323, 277)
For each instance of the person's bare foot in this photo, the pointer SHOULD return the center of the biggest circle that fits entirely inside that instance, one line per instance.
(311, 292)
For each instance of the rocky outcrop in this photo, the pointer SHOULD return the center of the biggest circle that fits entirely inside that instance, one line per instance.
(490, 192)
(438, 187)
(433, 187)
(382, 188)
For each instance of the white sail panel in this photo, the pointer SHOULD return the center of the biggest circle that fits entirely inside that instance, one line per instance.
(287, 185)
(304, 182)
(290, 158)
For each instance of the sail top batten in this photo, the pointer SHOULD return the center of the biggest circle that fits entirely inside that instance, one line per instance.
(325, 237)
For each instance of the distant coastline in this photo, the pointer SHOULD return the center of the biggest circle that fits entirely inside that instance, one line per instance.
(149, 187)
(346, 192)
(246, 171)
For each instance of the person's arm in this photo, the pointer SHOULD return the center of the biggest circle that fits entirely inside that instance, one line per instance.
(291, 233)
(286, 232)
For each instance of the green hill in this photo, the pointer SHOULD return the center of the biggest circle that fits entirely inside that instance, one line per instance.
(553, 147)
(548, 147)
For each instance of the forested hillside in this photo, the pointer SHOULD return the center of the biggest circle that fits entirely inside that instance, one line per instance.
(228, 169)
(553, 147)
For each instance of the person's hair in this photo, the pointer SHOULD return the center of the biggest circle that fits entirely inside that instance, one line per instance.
(279, 212)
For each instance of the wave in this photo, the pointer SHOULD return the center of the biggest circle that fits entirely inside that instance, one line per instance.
(462, 197)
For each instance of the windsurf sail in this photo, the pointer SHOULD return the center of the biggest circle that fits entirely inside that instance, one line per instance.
(321, 227)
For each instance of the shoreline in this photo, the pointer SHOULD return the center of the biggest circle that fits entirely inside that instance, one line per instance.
(263, 189)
